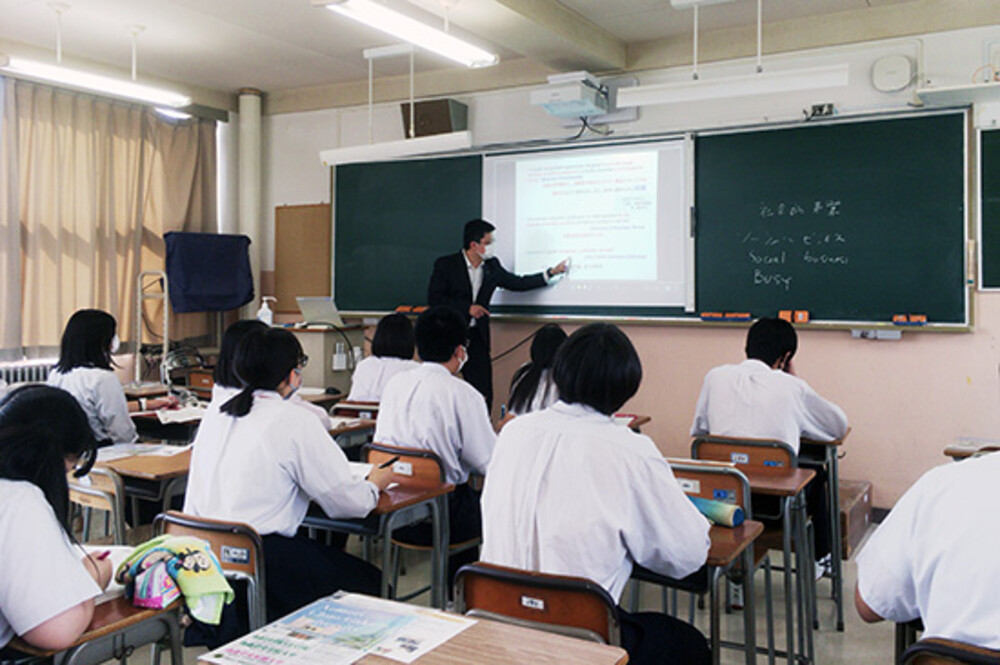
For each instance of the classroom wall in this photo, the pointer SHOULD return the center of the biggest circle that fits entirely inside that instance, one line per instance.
(906, 400)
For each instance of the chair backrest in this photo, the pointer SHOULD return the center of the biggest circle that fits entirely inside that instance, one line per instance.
(760, 453)
(572, 606)
(937, 651)
(101, 489)
(719, 481)
(347, 409)
(415, 467)
(237, 546)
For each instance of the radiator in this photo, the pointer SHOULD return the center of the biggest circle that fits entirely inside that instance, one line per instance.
(36, 371)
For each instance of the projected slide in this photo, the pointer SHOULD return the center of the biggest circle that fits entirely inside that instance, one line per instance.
(618, 213)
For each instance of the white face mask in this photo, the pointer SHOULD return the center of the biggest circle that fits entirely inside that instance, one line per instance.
(488, 252)
(115, 344)
(294, 385)
(461, 361)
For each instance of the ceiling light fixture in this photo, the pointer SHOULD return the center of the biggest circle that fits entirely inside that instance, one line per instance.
(72, 78)
(403, 27)
(759, 83)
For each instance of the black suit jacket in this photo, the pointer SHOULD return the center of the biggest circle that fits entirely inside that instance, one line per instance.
(450, 286)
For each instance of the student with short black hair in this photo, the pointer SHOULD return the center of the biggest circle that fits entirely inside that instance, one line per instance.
(431, 408)
(532, 387)
(49, 583)
(260, 459)
(85, 371)
(570, 492)
(227, 382)
(392, 352)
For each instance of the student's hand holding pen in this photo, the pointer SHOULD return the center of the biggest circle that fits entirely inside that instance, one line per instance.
(381, 476)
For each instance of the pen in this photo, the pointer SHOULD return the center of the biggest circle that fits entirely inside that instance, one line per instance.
(103, 555)
(388, 462)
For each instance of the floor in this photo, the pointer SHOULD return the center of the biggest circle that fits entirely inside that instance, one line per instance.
(859, 643)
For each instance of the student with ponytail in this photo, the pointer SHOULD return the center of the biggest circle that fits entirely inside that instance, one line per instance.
(260, 459)
(48, 583)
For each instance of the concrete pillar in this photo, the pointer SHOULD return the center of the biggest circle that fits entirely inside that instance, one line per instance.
(250, 218)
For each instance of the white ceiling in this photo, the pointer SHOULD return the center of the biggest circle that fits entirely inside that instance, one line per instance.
(278, 45)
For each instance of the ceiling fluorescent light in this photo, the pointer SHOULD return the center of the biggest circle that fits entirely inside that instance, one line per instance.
(686, 4)
(403, 27)
(375, 152)
(764, 83)
(76, 79)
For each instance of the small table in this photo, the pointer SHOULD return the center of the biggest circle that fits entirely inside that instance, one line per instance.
(115, 631)
(398, 507)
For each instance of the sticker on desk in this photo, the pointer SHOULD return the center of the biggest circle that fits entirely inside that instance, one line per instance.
(689, 485)
(403, 468)
(726, 496)
(238, 555)
(533, 603)
(739, 458)
(773, 462)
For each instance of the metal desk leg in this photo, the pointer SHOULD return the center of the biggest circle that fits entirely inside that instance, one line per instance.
(786, 542)
(837, 580)
(439, 553)
(715, 641)
(749, 612)
(804, 565)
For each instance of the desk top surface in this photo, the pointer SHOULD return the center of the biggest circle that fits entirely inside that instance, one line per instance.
(777, 481)
(151, 467)
(729, 542)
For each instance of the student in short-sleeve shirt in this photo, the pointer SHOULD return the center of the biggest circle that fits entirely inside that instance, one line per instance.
(392, 353)
(934, 556)
(43, 574)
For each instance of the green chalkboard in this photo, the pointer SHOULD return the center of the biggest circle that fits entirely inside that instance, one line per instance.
(852, 221)
(391, 220)
(989, 231)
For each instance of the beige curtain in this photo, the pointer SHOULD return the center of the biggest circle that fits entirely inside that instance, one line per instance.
(97, 184)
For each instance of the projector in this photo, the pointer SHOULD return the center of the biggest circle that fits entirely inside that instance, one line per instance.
(570, 100)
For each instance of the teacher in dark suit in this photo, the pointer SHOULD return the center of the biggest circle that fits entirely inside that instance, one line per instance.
(465, 281)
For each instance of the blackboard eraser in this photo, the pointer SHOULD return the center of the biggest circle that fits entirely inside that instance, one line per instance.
(910, 319)
(900, 319)
(738, 316)
(785, 315)
(802, 316)
(404, 309)
(918, 319)
(712, 316)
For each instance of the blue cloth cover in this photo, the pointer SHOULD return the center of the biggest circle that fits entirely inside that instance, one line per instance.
(208, 272)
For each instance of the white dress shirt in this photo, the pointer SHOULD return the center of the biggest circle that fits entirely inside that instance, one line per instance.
(43, 573)
(429, 408)
(264, 468)
(102, 398)
(934, 556)
(546, 393)
(373, 373)
(569, 492)
(475, 280)
(754, 401)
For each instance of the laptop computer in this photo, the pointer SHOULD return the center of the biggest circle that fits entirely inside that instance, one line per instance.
(319, 310)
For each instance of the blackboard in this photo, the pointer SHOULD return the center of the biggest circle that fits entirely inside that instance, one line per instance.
(989, 230)
(392, 219)
(852, 221)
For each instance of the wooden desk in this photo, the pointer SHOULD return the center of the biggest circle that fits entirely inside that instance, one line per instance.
(134, 392)
(115, 630)
(727, 545)
(494, 643)
(398, 507)
(966, 448)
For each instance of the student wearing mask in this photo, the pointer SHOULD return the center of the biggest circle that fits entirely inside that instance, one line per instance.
(261, 459)
(569, 492)
(392, 353)
(532, 387)
(465, 281)
(49, 583)
(85, 371)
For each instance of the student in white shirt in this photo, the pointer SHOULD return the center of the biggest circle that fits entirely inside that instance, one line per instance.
(392, 353)
(260, 459)
(227, 383)
(49, 583)
(761, 398)
(569, 492)
(431, 408)
(934, 556)
(85, 371)
(532, 387)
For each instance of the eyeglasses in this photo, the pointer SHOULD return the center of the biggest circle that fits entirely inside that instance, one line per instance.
(303, 361)
(85, 463)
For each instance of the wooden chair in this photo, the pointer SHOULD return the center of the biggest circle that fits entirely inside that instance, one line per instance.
(937, 651)
(572, 606)
(770, 456)
(420, 469)
(238, 547)
(101, 489)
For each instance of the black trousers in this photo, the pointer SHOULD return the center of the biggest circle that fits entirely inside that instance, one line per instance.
(465, 522)
(651, 638)
(478, 370)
